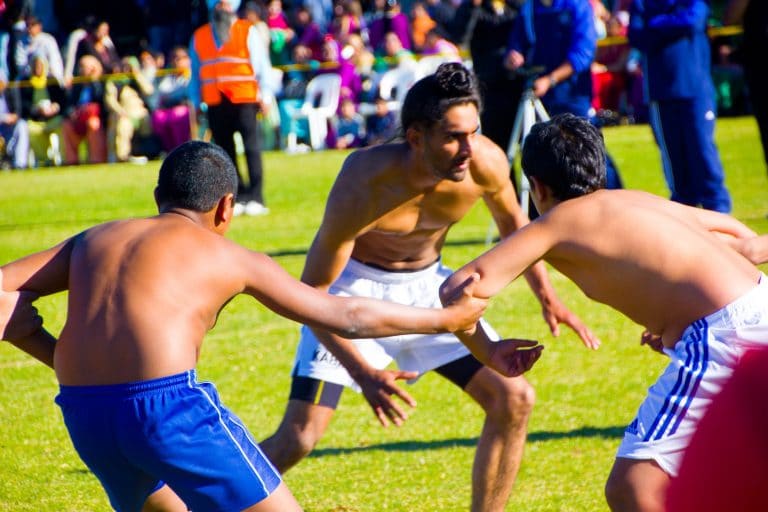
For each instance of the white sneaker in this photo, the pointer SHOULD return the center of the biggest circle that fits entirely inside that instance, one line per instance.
(255, 208)
(239, 209)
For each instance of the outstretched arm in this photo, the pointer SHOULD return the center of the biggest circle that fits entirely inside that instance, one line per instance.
(357, 317)
(508, 357)
(509, 217)
(334, 319)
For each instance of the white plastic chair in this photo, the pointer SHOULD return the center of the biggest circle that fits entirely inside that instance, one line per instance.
(321, 100)
(393, 86)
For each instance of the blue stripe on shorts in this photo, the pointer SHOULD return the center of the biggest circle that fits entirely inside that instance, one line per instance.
(689, 377)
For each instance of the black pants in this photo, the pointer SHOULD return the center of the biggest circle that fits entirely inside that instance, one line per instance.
(224, 120)
(500, 102)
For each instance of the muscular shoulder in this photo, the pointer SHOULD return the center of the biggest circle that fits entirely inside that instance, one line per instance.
(489, 167)
(366, 177)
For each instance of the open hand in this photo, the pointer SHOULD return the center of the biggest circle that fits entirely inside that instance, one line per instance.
(555, 313)
(514, 357)
(380, 387)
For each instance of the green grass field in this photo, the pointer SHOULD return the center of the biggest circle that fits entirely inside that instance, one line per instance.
(584, 398)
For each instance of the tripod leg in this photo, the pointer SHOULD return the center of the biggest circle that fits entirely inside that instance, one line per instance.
(517, 127)
(540, 110)
(529, 118)
(515, 142)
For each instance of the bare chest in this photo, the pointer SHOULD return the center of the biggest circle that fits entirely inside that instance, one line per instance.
(424, 214)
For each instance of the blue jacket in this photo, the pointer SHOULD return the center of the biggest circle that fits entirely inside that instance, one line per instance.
(672, 35)
(548, 36)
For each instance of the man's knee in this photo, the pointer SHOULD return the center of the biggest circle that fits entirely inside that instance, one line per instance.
(301, 429)
(301, 439)
(502, 398)
(518, 398)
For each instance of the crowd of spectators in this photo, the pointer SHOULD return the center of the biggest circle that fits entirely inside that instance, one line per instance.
(84, 82)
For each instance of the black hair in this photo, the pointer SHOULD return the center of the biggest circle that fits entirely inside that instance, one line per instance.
(195, 176)
(566, 153)
(429, 98)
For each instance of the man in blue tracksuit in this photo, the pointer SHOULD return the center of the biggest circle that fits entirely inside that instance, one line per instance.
(672, 35)
(560, 37)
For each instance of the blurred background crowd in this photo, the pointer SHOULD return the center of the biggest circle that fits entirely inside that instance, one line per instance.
(93, 81)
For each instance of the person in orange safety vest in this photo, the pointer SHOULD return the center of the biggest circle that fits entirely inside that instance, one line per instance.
(228, 59)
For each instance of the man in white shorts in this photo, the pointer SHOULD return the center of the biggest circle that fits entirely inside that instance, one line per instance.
(662, 264)
(384, 226)
(413, 352)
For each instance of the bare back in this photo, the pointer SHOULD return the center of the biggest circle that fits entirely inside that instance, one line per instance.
(645, 256)
(142, 294)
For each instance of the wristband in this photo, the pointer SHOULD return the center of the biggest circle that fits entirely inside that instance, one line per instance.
(552, 81)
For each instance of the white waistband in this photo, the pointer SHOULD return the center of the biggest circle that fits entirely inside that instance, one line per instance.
(359, 269)
(736, 307)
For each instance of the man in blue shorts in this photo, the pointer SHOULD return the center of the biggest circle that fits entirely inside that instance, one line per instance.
(662, 264)
(142, 295)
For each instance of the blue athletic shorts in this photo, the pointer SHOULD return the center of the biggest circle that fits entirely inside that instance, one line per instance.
(134, 437)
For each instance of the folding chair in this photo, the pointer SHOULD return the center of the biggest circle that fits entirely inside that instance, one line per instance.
(320, 103)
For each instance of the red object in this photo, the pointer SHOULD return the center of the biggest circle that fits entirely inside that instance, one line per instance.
(726, 465)
(83, 114)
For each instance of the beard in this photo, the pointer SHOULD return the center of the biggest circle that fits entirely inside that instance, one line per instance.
(222, 23)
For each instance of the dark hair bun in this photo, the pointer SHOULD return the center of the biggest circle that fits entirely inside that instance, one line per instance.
(454, 79)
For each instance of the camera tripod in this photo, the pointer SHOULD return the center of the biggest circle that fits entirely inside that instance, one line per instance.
(530, 110)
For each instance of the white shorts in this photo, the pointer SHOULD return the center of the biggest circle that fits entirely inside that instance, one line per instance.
(702, 361)
(412, 352)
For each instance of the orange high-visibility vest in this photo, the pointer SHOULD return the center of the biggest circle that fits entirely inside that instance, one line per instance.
(226, 70)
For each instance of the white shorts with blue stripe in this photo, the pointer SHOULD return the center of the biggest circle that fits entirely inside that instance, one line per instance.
(701, 362)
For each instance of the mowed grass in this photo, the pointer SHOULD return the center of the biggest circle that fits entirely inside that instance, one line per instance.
(584, 398)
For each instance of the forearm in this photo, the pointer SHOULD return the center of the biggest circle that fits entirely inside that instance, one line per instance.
(40, 345)
(362, 317)
(561, 73)
(538, 280)
(478, 343)
(344, 351)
